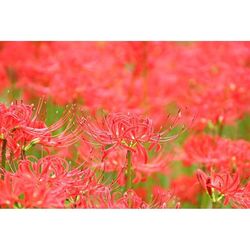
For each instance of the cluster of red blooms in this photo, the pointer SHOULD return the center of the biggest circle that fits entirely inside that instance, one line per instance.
(224, 167)
(52, 182)
(144, 125)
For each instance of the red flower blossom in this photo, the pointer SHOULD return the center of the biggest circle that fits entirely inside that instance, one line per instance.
(50, 182)
(242, 198)
(161, 199)
(20, 129)
(219, 153)
(115, 161)
(212, 80)
(128, 131)
(41, 184)
(228, 186)
(186, 188)
(131, 200)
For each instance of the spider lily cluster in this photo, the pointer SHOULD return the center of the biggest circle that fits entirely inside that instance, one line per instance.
(124, 125)
(52, 182)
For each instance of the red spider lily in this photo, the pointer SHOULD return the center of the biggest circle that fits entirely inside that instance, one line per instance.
(220, 153)
(215, 72)
(35, 185)
(11, 121)
(161, 199)
(131, 73)
(50, 183)
(116, 161)
(242, 198)
(98, 196)
(226, 184)
(127, 131)
(69, 135)
(20, 130)
(92, 69)
(186, 188)
(164, 199)
(131, 200)
(223, 182)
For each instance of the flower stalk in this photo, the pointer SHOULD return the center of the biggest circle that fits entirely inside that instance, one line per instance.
(3, 154)
(129, 170)
(129, 173)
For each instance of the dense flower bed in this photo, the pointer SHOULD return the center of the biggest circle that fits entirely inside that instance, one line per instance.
(125, 124)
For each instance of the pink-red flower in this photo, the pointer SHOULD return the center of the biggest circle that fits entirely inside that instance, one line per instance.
(186, 188)
(160, 199)
(219, 153)
(227, 185)
(20, 129)
(51, 182)
(115, 161)
(124, 130)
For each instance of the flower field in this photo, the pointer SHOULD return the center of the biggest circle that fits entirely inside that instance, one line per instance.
(125, 124)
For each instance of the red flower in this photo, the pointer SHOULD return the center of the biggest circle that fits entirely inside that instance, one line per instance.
(116, 161)
(20, 129)
(186, 188)
(242, 198)
(50, 182)
(219, 153)
(164, 199)
(161, 199)
(228, 186)
(212, 79)
(41, 184)
(128, 131)
(131, 200)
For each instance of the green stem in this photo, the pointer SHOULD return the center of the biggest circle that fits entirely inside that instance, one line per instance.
(4, 148)
(129, 174)
(220, 129)
(214, 204)
(3, 163)
(213, 196)
(129, 171)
